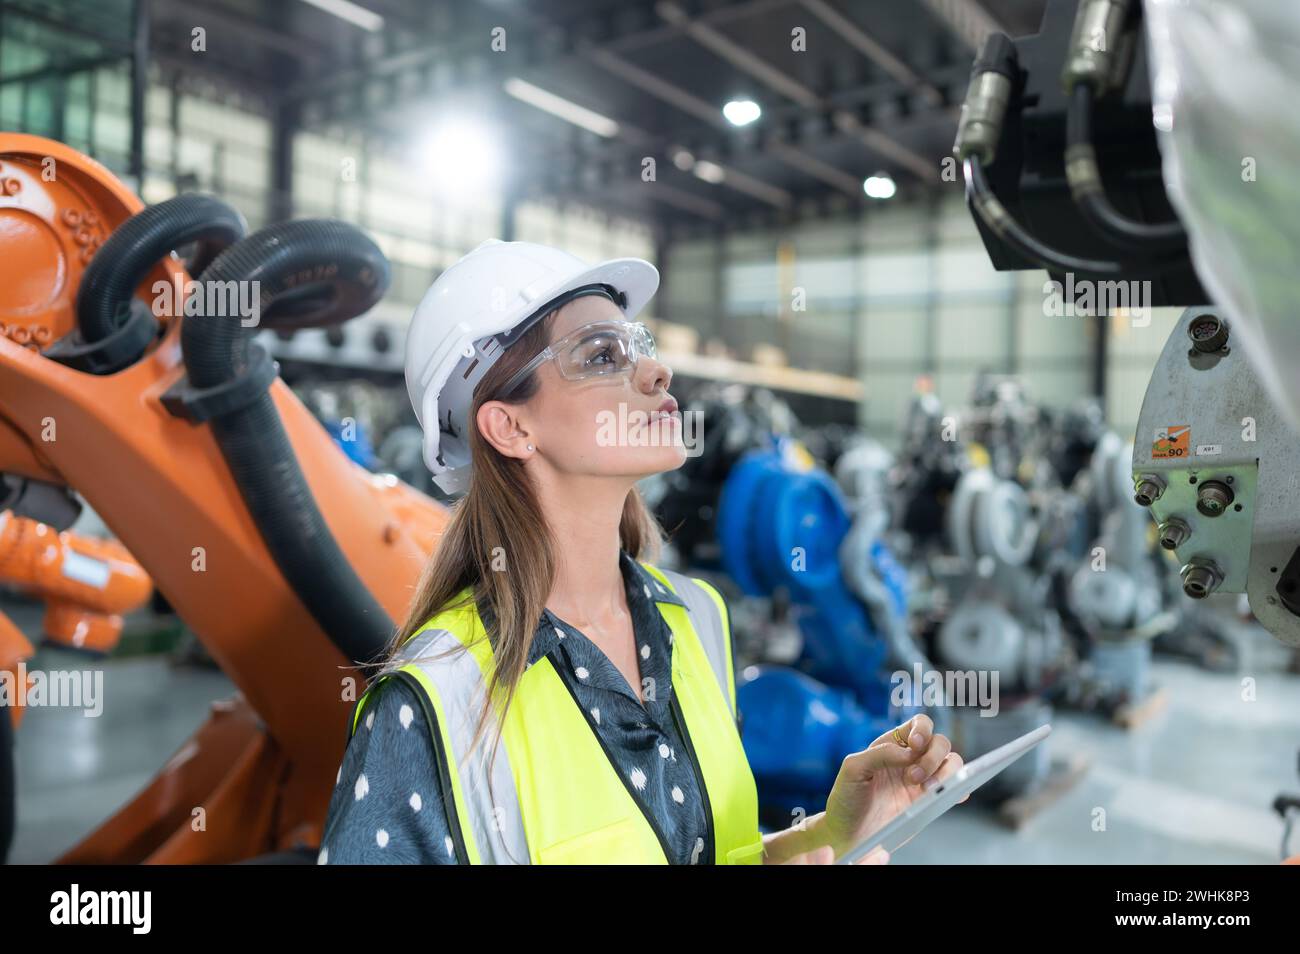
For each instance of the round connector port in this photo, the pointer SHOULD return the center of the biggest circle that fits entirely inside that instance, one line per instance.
(1174, 533)
(1200, 579)
(1213, 497)
(1149, 489)
(1209, 333)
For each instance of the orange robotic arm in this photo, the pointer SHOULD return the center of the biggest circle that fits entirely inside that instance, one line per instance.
(87, 583)
(263, 766)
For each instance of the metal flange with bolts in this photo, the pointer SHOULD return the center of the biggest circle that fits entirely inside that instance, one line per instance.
(1219, 469)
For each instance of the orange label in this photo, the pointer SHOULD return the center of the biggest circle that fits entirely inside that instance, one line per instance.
(1172, 441)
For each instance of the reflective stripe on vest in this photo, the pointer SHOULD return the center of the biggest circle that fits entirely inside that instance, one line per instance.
(551, 794)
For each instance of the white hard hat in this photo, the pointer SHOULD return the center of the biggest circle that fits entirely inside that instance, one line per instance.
(474, 311)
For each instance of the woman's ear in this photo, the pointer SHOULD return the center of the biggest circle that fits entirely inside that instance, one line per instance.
(500, 425)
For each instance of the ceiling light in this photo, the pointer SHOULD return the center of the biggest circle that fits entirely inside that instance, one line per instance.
(354, 13)
(563, 108)
(462, 158)
(879, 187)
(709, 171)
(741, 112)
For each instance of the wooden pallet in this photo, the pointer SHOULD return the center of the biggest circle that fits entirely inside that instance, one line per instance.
(1064, 773)
(1134, 714)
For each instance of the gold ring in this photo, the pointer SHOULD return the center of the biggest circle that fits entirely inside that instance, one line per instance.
(898, 738)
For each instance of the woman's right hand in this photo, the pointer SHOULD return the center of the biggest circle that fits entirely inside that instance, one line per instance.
(825, 855)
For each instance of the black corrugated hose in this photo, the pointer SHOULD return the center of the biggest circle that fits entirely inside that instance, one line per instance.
(123, 261)
(322, 272)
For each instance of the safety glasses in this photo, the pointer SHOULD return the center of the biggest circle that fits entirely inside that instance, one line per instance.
(601, 349)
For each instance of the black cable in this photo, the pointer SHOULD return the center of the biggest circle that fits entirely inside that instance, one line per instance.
(252, 437)
(1089, 192)
(995, 215)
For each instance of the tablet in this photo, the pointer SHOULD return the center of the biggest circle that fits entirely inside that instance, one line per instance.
(943, 796)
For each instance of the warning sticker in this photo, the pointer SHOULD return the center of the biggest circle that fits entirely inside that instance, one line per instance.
(1172, 441)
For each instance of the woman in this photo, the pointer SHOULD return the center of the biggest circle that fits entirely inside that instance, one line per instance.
(612, 735)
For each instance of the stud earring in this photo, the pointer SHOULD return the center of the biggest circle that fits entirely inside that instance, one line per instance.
(530, 446)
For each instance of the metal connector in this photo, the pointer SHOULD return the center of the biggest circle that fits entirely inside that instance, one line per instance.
(1209, 333)
(1149, 489)
(1096, 44)
(1213, 498)
(1201, 578)
(1174, 533)
(980, 126)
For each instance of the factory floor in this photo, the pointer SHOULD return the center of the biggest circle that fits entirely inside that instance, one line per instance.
(1191, 785)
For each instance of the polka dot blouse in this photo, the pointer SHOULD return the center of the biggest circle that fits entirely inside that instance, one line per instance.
(387, 805)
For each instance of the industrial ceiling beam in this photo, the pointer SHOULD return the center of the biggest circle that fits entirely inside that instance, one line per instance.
(850, 33)
(749, 185)
(715, 17)
(708, 112)
(746, 61)
(966, 19)
(724, 47)
(238, 26)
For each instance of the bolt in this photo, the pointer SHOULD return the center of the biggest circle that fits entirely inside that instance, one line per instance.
(1201, 578)
(1149, 489)
(1213, 497)
(1209, 333)
(1174, 533)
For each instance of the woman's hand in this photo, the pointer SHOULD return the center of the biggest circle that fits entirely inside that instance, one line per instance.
(874, 785)
(825, 855)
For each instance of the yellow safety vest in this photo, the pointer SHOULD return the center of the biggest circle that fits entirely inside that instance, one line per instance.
(552, 795)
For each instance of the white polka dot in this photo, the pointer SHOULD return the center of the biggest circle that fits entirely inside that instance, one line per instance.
(581, 672)
(647, 590)
(451, 849)
(678, 797)
(362, 787)
(645, 650)
(595, 714)
(670, 639)
(405, 715)
(324, 857)
(381, 838)
(339, 777)
(559, 632)
(699, 847)
(370, 721)
(664, 751)
(638, 779)
(416, 802)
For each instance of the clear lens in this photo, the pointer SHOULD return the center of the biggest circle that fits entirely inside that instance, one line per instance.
(604, 348)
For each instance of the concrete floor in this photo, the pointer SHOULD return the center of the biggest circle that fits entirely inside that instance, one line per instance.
(74, 771)
(1193, 785)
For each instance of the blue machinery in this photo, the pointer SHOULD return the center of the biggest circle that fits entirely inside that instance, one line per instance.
(782, 523)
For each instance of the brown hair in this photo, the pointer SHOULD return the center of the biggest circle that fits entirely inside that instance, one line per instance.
(500, 515)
